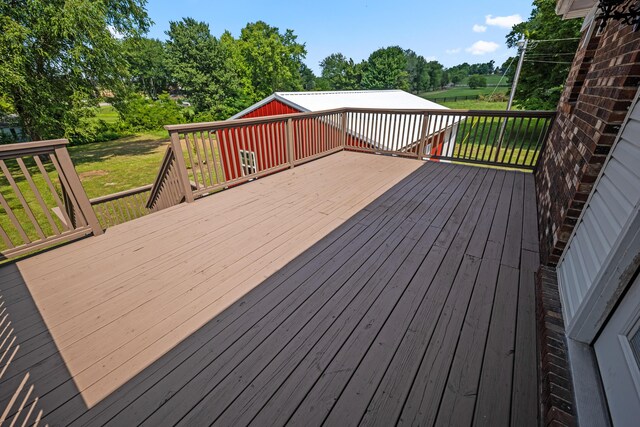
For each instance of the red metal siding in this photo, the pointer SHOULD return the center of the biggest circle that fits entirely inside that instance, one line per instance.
(273, 108)
(231, 142)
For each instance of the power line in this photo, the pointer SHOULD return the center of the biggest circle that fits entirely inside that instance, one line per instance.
(503, 76)
(548, 62)
(551, 54)
(555, 40)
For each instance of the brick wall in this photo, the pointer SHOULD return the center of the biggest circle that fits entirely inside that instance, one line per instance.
(602, 82)
(556, 389)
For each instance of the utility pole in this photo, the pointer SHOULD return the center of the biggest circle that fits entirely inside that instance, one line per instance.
(514, 85)
(517, 75)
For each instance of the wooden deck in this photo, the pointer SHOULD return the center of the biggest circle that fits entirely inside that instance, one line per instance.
(354, 289)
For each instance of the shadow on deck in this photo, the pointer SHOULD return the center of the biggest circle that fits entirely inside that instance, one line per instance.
(414, 305)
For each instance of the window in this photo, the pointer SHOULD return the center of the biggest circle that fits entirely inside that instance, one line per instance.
(248, 163)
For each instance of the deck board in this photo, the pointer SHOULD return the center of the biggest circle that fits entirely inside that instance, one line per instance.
(353, 289)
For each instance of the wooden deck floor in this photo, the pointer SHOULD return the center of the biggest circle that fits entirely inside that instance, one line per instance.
(354, 289)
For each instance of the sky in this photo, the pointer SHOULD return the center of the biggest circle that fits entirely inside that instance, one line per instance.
(449, 31)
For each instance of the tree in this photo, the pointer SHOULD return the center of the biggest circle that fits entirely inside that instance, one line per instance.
(418, 73)
(56, 56)
(477, 81)
(307, 76)
(386, 69)
(147, 65)
(435, 70)
(547, 63)
(340, 73)
(273, 59)
(209, 71)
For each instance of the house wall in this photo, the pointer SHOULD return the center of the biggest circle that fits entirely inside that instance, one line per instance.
(600, 87)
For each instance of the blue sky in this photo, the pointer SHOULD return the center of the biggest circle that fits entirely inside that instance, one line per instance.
(450, 31)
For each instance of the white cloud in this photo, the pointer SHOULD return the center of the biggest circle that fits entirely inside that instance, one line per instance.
(479, 28)
(503, 21)
(482, 47)
(115, 32)
(453, 51)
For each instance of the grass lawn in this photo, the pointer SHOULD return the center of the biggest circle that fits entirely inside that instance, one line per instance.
(474, 104)
(477, 138)
(107, 113)
(109, 167)
(492, 80)
(104, 168)
(463, 91)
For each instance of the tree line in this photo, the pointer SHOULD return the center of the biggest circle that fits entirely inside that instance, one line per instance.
(58, 60)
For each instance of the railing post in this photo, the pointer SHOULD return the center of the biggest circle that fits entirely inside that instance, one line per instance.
(290, 152)
(183, 175)
(423, 135)
(76, 189)
(343, 129)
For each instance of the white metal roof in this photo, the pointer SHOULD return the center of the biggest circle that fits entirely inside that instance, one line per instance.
(388, 99)
(383, 99)
(318, 101)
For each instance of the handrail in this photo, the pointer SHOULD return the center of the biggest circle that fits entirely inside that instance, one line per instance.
(120, 194)
(216, 155)
(49, 205)
(120, 207)
(167, 190)
(222, 124)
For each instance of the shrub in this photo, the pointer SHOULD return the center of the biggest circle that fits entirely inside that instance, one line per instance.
(477, 81)
(138, 113)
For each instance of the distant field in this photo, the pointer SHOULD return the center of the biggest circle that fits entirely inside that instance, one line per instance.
(464, 91)
(492, 80)
(107, 113)
(474, 104)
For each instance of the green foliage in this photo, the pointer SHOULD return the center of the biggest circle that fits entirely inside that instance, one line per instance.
(459, 73)
(56, 55)
(208, 70)
(386, 69)
(138, 113)
(147, 65)
(435, 70)
(273, 59)
(419, 78)
(308, 78)
(340, 73)
(547, 63)
(476, 81)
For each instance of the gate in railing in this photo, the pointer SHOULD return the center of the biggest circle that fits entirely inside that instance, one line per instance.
(39, 187)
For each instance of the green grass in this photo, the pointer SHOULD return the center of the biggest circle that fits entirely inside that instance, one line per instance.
(107, 113)
(492, 80)
(475, 104)
(463, 91)
(104, 168)
(477, 138)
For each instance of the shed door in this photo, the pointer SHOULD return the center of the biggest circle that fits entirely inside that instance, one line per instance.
(618, 352)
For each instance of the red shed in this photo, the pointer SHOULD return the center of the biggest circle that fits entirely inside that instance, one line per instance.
(239, 161)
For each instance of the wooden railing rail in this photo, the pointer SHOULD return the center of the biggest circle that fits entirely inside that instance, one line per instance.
(35, 178)
(217, 155)
(211, 156)
(117, 208)
(166, 190)
(500, 138)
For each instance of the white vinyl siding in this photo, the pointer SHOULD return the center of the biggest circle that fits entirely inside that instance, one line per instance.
(607, 216)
